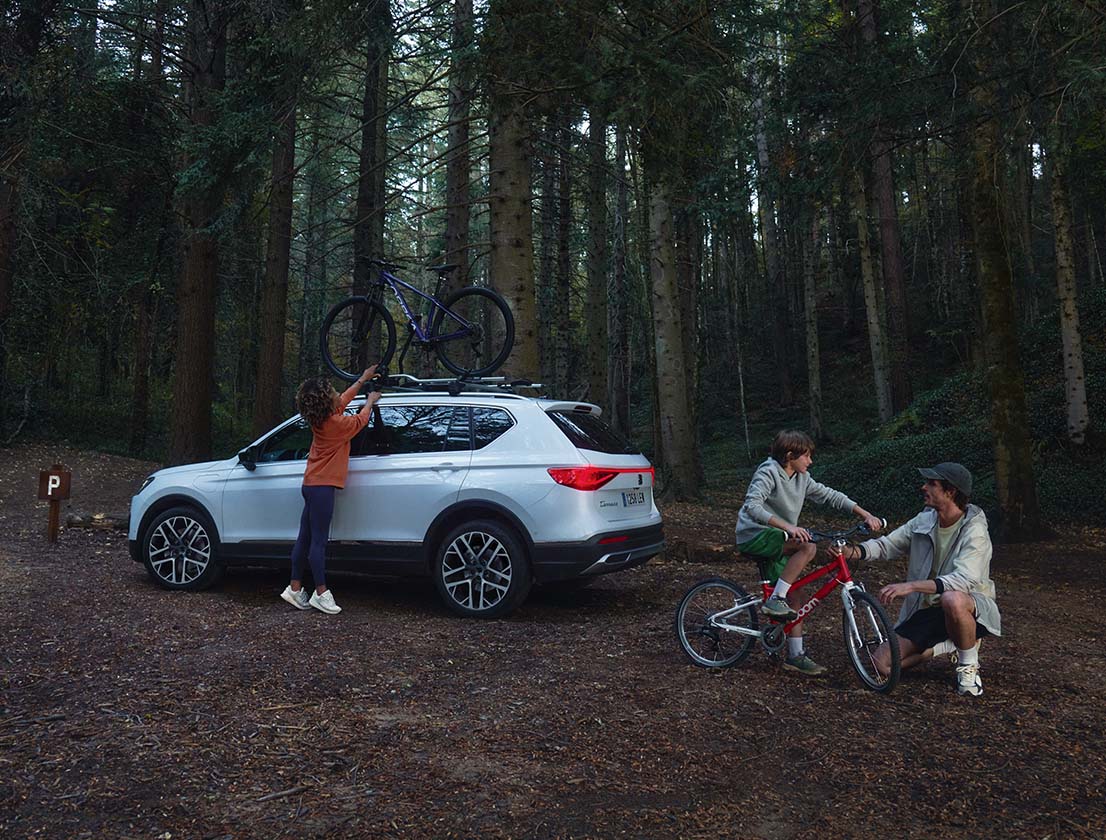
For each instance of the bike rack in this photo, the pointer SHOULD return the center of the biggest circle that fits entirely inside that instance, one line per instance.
(405, 382)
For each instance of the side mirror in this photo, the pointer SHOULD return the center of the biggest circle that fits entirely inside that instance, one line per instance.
(248, 458)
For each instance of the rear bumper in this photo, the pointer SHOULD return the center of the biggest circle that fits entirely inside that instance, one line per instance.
(602, 554)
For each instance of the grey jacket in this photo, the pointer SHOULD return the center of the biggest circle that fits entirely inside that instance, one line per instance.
(967, 566)
(773, 493)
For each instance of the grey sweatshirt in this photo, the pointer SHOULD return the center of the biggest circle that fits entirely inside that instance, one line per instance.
(773, 493)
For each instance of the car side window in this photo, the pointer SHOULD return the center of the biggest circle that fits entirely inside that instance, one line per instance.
(403, 429)
(488, 424)
(292, 443)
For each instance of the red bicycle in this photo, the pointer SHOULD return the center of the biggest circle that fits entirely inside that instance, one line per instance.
(718, 622)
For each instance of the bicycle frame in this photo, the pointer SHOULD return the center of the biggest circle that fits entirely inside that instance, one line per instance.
(394, 283)
(840, 576)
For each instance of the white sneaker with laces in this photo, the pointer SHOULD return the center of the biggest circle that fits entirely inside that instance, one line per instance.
(325, 603)
(968, 681)
(298, 599)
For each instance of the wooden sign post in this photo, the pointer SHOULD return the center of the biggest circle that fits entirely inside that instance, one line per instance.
(53, 485)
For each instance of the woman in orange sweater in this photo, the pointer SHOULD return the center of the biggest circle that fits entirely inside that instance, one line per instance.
(327, 466)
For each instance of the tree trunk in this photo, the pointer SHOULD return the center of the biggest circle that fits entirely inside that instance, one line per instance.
(871, 303)
(598, 234)
(680, 462)
(563, 299)
(274, 291)
(1075, 389)
(511, 264)
(776, 293)
(618, 320)
(368, 228)
(458, 161)
(891, 257)
(547, 256)
(190, 424)
(810, 312)
(1014, 480)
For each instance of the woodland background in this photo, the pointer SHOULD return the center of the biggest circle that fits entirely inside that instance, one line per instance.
(882, 222)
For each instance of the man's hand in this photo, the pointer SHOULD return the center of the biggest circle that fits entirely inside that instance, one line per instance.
(874, 523)
(895, 590)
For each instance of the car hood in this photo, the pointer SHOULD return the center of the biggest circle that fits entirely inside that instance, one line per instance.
(184, 470)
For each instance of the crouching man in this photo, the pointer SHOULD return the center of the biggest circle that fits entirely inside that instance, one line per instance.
(949, 594)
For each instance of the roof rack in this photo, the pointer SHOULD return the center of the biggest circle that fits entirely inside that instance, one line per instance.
(405, 382)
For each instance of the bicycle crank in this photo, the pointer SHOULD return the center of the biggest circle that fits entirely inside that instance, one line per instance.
(772, 639)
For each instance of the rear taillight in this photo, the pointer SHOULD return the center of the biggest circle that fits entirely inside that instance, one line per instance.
(592, 478)
(582, 478)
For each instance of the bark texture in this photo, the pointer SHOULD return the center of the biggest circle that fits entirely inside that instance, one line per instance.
(595, 347)
(458, 160)
(872, 306)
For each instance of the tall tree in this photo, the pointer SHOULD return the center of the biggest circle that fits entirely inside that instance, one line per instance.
(598, 256)
(205, 77)
(458, 159)
(872, 306)
(1014, 476)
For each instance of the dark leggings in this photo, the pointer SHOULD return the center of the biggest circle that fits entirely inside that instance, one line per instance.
(318, 509)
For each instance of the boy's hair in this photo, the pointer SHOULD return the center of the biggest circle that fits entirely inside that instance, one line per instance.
(314, 401)
(791, 443)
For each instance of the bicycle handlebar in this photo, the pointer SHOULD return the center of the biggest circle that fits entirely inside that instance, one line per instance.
(860, 528)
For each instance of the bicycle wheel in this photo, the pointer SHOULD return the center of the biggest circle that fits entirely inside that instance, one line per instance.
(474, 334)
(356, 333)
(866, 628)
(707, 642)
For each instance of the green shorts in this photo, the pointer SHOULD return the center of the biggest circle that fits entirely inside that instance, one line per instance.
(769, 545)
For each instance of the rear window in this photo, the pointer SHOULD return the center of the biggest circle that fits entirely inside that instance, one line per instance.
(586, 431)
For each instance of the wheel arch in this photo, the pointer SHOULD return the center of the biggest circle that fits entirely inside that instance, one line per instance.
(460, 512)
(174, 500)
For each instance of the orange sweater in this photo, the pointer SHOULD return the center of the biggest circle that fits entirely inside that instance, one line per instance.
(328, 460)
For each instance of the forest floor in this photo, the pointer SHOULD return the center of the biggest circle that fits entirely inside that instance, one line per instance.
(128, 711)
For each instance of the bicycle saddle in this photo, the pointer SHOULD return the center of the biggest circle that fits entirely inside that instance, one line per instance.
(442, 269)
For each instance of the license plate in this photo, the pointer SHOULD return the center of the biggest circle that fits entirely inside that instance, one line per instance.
(633, 497)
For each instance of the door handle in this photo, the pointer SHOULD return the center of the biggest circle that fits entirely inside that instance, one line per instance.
(447, 466)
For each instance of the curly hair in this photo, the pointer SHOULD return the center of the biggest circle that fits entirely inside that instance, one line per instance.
(315, 401)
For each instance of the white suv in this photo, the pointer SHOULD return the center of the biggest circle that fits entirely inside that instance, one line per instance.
(485, 492)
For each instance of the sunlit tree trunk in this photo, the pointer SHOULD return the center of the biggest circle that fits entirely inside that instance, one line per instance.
(1075, 389)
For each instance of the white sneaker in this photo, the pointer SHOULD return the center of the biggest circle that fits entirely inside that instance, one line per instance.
(298, 600)
(968, 681)
(325, 603)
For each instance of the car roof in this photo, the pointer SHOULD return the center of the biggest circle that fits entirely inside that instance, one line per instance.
(485, 398)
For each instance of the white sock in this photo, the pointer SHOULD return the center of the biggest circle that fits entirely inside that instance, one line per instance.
(943, 648)
(794, 646)
(782, 588)
(969, 656)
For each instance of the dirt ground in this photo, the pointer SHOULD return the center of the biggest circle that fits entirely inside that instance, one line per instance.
(128, 711)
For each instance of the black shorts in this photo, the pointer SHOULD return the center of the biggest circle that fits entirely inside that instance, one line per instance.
(927, 627)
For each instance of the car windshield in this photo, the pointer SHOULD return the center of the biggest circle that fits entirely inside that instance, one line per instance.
(586, 431)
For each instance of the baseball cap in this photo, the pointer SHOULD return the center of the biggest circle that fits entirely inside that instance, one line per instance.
(955, 474)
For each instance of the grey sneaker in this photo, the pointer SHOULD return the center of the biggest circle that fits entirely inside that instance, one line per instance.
(777, 607)
(968, 681)
(299, 600)
(325, 603)
(803, 664)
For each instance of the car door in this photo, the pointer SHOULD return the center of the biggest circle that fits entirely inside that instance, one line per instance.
(405, 468)
(264, 505)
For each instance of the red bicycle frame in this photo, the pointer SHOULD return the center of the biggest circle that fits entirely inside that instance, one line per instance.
(842, 576)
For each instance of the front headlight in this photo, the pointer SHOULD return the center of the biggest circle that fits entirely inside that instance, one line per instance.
(146, 483)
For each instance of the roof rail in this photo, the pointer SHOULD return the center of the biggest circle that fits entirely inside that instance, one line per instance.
(405, 382)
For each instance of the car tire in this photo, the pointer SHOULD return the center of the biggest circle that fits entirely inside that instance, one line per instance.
(180, 550)
(481, 570)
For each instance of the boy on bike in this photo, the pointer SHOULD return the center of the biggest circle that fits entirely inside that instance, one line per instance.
(767, 526)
